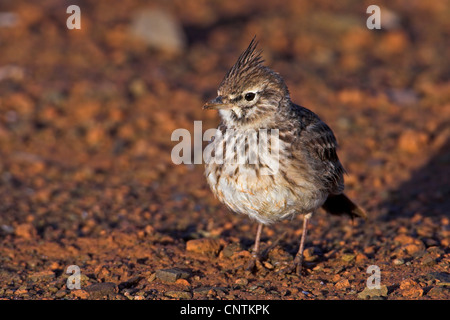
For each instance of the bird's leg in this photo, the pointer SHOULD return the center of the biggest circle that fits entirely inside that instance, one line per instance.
(255, 253)
(298, 260)
(257, 241)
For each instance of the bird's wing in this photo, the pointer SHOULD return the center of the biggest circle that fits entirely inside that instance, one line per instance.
(317, 142)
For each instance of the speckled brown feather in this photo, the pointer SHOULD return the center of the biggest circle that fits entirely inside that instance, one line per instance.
(310, 174)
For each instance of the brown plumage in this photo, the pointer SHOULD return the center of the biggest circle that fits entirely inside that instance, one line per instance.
(308, 172)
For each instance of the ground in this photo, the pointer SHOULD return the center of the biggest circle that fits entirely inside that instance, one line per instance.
(87, 179)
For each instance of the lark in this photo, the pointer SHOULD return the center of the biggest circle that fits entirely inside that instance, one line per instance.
(308, 175)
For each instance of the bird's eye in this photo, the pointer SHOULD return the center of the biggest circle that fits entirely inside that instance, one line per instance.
(249, 96)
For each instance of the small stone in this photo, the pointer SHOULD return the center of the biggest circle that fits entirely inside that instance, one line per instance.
(403, 96)
(100, 290)
(440, 277)
(42, 276)
(390, 20)
(52, 289)
(7, 229)
(428, 260)
(82, 294)
(342, 284)
(436, 251)
(409, 246)
(159, 30)
(404, 239)
(60, 294)
(203, 246)
(183, 282)
(26, 231)
(202, 290)
(373, 293)
(411, 289)
(20, 291)
(278, 255)
(398, 261)
(439, 293)
(414, 249)
(8, 20)
(171, 275)
(152, 277)
(178, 294)
(407, 284)
(231, 249)
(348, 257)
(241, 281)
(132, 282)
(412, 142)
(308, 255)
(369, 250)
(360, 258)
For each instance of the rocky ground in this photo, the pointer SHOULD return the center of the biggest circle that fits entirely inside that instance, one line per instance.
(86, 176)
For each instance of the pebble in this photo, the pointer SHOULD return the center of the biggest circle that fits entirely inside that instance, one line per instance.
(348, 257)
(409, 245)
(309, 256)
(403, 97)
(172, 274)
(412, 142)
(231, 249)
(8, 20)
(178, 294)
(241, 281)
(132, 282)
(82, 294)
(428, 260)
(414, 249)
(411, 289)
(440, 277)
(42, 276)
(360, 258)
(152, 277)
(373, 293)
(278, 255)
(60, 294)
(438, 293)
(342, 284)
(203, 246)
(100, 290)
(398, 261)
(206, 290)
(404, 239)
(159, 30)
(25, 230)
(183, 282)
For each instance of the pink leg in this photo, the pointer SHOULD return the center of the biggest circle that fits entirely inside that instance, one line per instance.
(298, 261)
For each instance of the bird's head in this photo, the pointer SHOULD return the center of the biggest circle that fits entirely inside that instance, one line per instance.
(250, 93)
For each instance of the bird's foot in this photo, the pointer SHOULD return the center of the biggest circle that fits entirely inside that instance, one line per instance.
(253, 264)
(295, 267)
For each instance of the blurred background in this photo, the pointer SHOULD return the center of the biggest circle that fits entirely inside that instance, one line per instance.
(86, 116)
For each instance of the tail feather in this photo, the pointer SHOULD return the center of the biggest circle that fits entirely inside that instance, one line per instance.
(340, 204)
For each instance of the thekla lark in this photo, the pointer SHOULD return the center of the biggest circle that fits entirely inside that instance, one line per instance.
(309, 174)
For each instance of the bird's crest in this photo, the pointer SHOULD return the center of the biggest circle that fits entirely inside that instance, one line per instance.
(248, 61)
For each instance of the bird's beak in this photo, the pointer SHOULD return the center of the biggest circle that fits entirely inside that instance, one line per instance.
(216, 104)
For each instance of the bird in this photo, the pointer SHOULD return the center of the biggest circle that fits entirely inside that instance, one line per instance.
(303, 175)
